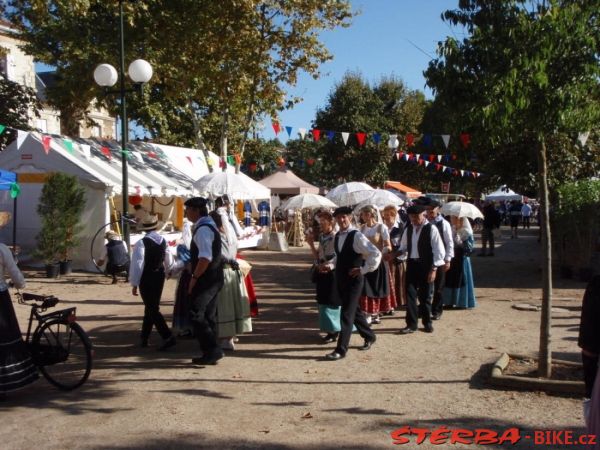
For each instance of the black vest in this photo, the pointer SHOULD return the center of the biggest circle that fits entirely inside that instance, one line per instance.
(116, 253)
(423, 244)
(347, 258)
(440, 226)
(214, 271)
(154, 255)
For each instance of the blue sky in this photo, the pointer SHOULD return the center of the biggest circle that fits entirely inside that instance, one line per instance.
(382, 40)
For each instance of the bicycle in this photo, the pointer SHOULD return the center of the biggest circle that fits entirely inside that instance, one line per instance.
(59, 347)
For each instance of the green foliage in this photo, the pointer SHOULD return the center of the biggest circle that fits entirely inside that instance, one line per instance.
(578, 197)
(17, 102)
(218, 65)
(61, 203)
(259, 151)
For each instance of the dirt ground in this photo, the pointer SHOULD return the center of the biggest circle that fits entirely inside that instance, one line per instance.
(276, 391)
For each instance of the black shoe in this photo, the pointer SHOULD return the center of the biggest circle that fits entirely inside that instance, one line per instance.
(208, 360)
(436, 316)
(367, 345)
(428, 328)
(144, 343)
(407, 330)
(331, 337)
(334, 356)
(167, 344)
(186, 334)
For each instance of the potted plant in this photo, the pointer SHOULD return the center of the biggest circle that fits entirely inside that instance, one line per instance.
(61, 203)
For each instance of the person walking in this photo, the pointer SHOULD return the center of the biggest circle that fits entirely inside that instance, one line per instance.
(422, 247)
(460, 289)
(354, 257)
(514, 213)
(206, 279)
(526, 213)
(445, 230)
(149, 262)
(491, 221)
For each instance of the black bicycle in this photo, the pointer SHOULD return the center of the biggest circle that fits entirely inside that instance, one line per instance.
(59, 347)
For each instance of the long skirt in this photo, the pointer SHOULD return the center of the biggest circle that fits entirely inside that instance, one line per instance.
(16, 366)
(181, 310)
(386, 302)
(252, 299)
(460, 289)
(329, 318)
(233, 308)
(398, 281)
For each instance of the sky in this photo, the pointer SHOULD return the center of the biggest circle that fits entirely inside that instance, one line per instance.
(388, 37)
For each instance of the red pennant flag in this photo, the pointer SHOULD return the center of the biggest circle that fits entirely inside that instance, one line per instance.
(46, 143)
(310, 161)
(453, 157)
(465, 139)
(252, 166)
(410, 156)
(316, 135)
(189, 158)
(276, 127)
(222, 163)
(410, 140)
(238, 159)
(361, 137)
(438, 166)
(431, 158)
(281, 162)
(106, 152)
(172, 243)
(151, 155)
(400, 154)
(421, 162)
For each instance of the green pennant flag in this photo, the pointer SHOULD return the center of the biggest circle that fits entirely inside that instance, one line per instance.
(230, 160)
(127, 154)
(15, 190)
(2, 128)
(68, 145)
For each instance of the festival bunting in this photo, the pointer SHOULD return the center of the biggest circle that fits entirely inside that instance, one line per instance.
(424, 160)
(276, 127)
(2, 128)
(46, 143)
(582, 138)
(361, 138)
(446, 139)
(69, 146)
(345, 136)
(330, 135)
(106, 152)
(316, 134)
(289, 131)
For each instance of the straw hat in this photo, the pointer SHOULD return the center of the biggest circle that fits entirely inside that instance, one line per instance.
(4, 218)
(112, 236)
(149, 222)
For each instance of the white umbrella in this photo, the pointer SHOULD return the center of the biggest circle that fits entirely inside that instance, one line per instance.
(236, 185)
(308, 201)
(379, 198)
(349, 193)
(461, 209)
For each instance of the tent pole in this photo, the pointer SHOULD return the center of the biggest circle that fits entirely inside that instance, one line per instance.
(14, 239)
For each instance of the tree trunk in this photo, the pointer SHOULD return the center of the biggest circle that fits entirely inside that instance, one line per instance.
(224, 132)
(198, 135)
(545, 351)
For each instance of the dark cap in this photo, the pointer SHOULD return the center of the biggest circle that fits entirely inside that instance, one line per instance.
(415, 209)
(196, 202)
(342, 210)
(423, 201)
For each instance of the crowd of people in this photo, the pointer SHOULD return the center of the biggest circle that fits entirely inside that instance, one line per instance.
(386, 260)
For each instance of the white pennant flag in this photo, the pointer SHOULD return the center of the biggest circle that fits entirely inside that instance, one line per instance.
(397, 155)
(139, 157)
(583, 137)
(462, 173)
(439, 158)
(393, 142)
(446, 139)
(21, 135)
(262, 167)
(302, 132)
(405, 157)
(345, 136)
(417, 156)
(291, 163)
(444, 168)
(426, 163)
(85, 149)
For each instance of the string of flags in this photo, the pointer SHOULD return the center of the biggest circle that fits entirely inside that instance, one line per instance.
(430, 162)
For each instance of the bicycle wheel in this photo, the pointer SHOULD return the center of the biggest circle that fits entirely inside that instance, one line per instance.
(63, 353)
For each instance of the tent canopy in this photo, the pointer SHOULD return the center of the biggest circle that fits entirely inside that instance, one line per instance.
(406, 190)
(286, 182)
(503, 193)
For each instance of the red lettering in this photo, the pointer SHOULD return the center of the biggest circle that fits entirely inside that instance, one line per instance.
(512, 435)
(591, 439)
(439, 436)
(568, 437)
(538, 437)
(421, 434)
(485, 437)
(398, 435)
(555, 437)
(460, 436)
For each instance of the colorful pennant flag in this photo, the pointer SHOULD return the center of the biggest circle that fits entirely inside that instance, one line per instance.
(46, 143)
(410, 140)
(106, 152)
(361, 137)
(15, 190)
(302, 132)
(289, 131)
(316, 134)
(345, 136)
(276, 127)
(393, 141)
(2, 128)
(582, 137)
(21, 135)
(446, 139)
(68, 145)
(465, 139)
(427, 140)
(376, 138)
(330, 135)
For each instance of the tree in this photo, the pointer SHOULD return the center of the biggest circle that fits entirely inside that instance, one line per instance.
(218, 65)
(18, 104)
(527, 73)
(354, 106)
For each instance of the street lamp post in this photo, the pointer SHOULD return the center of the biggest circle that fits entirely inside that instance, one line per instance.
(105, 75)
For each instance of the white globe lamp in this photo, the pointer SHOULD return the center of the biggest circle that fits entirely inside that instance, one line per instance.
(140, 71)
(105, 75)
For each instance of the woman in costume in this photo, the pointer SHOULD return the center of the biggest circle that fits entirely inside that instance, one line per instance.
(460, 290)
(397, 268)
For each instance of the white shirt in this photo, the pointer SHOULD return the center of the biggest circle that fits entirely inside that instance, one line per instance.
(436, 244)
(526, 210)
(204, 237)
(362, 246)
(186, 233)
(137, 258)
(446, 237)
(9, 267)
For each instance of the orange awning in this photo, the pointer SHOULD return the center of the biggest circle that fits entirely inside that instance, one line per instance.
(406, 190)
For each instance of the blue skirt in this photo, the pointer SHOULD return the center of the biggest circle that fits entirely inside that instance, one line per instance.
(463, 295)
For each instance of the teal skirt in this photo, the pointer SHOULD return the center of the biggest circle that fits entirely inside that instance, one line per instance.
(329, 318)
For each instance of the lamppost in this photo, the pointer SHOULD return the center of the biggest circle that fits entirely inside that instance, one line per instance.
(105, 75)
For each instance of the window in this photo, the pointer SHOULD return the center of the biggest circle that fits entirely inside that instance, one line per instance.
(96, 131)
(42, 125)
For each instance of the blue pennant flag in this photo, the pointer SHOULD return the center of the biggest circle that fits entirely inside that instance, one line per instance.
(330, 135)
(427, 140)
(289, 131)
(376, 137)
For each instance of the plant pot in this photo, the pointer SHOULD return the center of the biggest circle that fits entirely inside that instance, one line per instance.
(66, 267)
(52, 270)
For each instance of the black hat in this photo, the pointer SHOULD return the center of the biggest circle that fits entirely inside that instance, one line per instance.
(423, 201)
(342, 210)
(196, 202)
(415, 209)
(434, 203)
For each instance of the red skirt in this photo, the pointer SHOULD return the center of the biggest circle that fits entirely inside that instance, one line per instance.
(372, 305)
(251, 293)
(398, 281)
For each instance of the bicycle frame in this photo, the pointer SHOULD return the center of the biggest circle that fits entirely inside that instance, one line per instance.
(68, 315)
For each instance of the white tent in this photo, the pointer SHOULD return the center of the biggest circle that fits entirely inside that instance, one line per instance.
(98, 168)
(503, 193)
